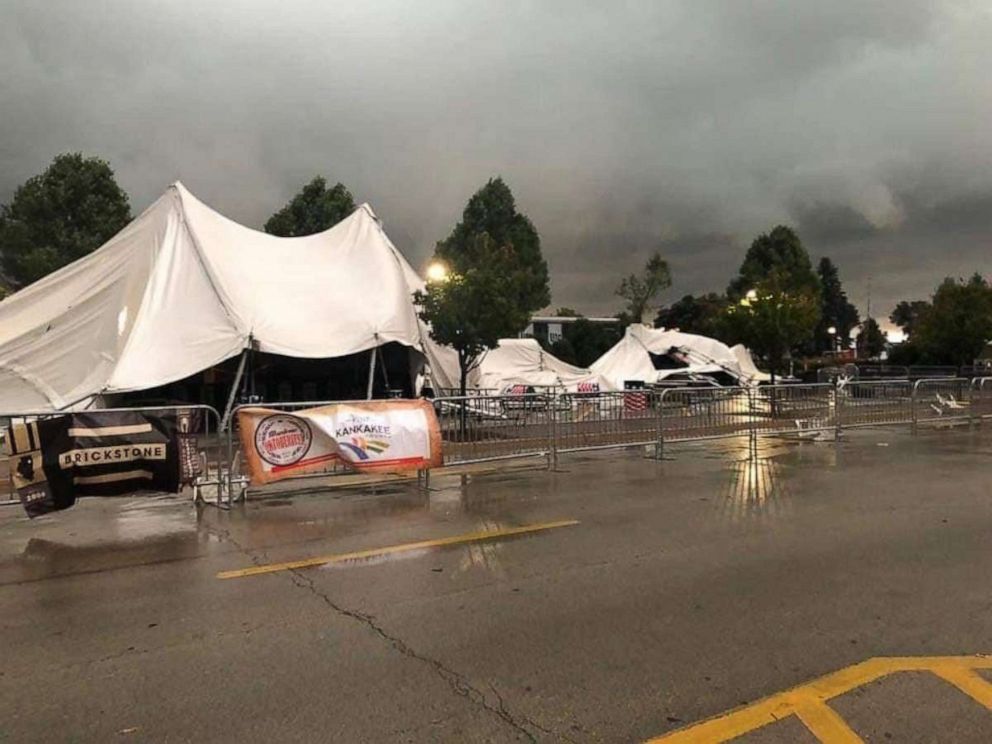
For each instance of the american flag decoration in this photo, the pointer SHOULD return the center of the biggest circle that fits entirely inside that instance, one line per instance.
(635, 401)
(588, 387)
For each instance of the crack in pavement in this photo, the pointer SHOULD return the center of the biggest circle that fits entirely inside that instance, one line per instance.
(458, 683)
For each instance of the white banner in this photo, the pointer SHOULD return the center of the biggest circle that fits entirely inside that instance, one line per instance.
(384, 435)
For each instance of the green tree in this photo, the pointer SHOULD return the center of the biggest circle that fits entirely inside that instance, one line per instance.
(775, 298)
(836, 311)
(583, 341)
(772, 319)
(702, 315)
(871, 340)
(61, 215)
(314, 209)
(780, 251)
(639, 291)
(907, 315)
(472, 310)
(591, 340)
(492, 212)
(563, 349)
(958, 324)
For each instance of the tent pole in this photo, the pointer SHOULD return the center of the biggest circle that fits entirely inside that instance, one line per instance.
(368, 391)
(226, 419)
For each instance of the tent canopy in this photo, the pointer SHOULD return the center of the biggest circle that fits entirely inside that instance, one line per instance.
(747, 365)
(182, 288)
(522, 361)
(631, 357)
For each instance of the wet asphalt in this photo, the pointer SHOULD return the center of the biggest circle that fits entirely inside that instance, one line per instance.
(689, 587)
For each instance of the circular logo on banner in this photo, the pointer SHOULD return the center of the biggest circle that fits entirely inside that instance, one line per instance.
(282, 439)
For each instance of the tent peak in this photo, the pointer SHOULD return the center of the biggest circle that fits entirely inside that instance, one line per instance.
(367, 208)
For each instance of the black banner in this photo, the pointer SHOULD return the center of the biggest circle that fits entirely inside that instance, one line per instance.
(97, 453)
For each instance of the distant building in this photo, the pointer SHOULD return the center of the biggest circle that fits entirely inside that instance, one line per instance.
(550, 328)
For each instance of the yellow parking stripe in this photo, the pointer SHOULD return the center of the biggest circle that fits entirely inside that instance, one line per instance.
(405, 547)
(968, 682)
(808, 702)
(824, 723)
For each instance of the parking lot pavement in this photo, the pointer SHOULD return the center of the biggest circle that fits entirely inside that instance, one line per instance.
(662, 594)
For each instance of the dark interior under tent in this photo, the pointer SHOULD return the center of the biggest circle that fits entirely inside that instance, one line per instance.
(672, 360)
(272, 378)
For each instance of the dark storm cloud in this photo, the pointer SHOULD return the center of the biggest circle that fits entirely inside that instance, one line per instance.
(687, 127)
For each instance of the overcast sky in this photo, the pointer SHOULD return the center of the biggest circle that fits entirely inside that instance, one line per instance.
(622, 128)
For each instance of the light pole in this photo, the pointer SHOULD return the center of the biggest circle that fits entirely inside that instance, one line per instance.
(834, 338)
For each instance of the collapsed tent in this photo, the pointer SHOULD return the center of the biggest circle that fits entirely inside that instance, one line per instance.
(651, 355)
(522, 361)
(182, 288)
(747, 365)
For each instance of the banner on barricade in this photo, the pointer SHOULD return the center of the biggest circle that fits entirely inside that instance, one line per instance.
(96, 453)
(381, 436)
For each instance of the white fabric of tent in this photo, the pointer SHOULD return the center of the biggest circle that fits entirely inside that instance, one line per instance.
(183, 288)
(630, 358)
(747, 365)
(522, 361)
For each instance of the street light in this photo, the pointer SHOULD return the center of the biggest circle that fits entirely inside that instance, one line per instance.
(437, 272)
(832, 330)
(749, 297)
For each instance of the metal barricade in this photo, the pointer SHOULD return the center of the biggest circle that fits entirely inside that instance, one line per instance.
(931, 372)
(496, 427)
(981, 397)
(705, 413)
(591, 421)
(785, 409)
(204, 424)
(883, 371)
(937, 400)
(875, 403)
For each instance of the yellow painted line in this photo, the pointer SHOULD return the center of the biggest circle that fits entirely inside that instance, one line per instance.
(808, 702)
(390, 550)
(824, 723)
(971, 684)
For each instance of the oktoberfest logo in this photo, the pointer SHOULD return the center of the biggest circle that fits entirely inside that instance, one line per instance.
(365, 435)
(282, 440)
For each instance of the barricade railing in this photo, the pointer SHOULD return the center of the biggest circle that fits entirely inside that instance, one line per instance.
(875, 403)
(938, 400)
(930, 372)
(496, 427)
(204, 423)
(590, 421)
(480, 428)
(780, 409)
(705, 413)
(981, 397)
(881, 372)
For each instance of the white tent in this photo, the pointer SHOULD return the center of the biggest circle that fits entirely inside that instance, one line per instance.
(183, 288)
(630, 358)
(522, 361)
(747, 365)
